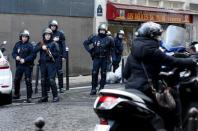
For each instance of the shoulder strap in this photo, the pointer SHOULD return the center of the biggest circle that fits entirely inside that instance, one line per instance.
(149, 79)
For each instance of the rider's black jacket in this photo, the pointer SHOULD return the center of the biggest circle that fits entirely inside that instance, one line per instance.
(147, 50)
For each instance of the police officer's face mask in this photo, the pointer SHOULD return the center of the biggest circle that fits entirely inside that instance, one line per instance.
(120, 36)
(102, 32)
(53, 27)
(47, 36)
(24, 39)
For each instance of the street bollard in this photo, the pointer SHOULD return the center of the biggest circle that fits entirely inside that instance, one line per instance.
(122, 70)
(39, 123)
(193, 119)
(37, 79)
(67, 68)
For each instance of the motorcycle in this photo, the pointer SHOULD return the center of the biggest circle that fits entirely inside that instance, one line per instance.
(129, 109)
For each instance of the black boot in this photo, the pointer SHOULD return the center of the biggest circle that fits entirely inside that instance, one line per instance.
(61, 90)
(43, 99)
(16, 96)
(56, 99)
(29, 100)
(93, 91)
(102, 87)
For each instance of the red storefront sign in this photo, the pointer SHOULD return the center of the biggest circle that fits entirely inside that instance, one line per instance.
(118, 12)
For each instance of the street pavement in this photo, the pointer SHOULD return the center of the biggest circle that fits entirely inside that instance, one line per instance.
(74, 112)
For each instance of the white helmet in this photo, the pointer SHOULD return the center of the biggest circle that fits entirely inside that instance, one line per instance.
(53, 22)
(121, 32)
(25, 33)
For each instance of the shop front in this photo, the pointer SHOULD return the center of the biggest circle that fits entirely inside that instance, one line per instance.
(130, 17)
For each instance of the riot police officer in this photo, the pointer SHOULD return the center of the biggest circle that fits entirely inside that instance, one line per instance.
(23, 54)
(100, 51)
(117, 52)
(59, 37)
(48, 54)
(109, 62)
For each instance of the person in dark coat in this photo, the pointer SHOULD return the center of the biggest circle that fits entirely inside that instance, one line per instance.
(23, 55)
(118, 49)
(48, 54)
(59, 37)
(100, 51)
(145, 50)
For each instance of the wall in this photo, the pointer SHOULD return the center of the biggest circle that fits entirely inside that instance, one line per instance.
(76, 29)
(83, 8)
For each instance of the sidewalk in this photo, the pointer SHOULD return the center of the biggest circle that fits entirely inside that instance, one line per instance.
(74, 81)
(78, 80)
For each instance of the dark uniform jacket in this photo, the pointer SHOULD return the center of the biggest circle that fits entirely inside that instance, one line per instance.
(24, 51)
(44, 57)
(101, 46)
(61, 42)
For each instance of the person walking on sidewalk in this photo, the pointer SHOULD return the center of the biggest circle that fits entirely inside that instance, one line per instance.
(117, 52)
(48, 54)
(102, 46)
(59, 37)
(23, 54)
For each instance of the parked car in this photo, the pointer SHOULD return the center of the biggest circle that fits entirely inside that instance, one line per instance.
(5, 78)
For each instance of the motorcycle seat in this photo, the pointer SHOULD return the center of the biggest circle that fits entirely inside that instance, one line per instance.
(140, 94)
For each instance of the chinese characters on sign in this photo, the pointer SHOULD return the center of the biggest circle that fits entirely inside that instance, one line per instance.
(153, 16)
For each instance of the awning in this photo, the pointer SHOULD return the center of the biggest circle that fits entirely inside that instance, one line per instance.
(122, 12)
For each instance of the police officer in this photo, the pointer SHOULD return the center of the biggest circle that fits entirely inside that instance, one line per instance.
(117, 52)
(23, 54)
(48, 54)
(109, 63)
(59, 37)
(100, 51)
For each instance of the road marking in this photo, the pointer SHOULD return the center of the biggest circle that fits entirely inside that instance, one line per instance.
(80, 87)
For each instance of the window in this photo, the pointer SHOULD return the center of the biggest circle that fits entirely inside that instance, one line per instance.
(154, 3)
(141, 2)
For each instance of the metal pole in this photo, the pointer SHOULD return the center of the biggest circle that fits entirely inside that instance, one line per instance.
(122, 70)
(67, 68)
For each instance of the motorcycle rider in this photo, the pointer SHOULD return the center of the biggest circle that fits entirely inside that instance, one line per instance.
(100, 53)
(145, 49)
(48, 54)
(118, 49)
(59, 37)
(23, 54)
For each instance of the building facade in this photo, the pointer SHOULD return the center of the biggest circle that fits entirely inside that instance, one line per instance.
(129, 14)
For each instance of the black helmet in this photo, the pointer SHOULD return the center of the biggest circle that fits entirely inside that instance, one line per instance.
(149, 29)
(47, 31)
(102, 27)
